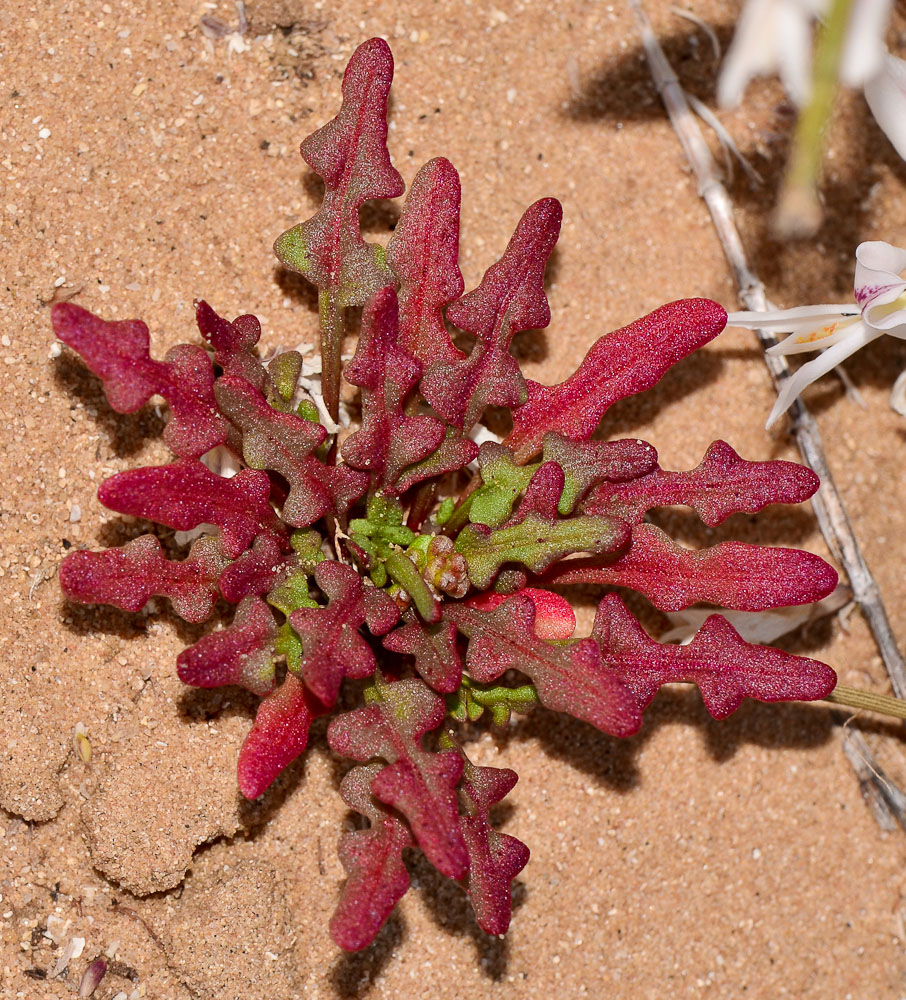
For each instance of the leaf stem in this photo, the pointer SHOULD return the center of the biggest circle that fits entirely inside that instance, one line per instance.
(882, 704)
(333, 327)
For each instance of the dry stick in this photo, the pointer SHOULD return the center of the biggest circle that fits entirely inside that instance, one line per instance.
(827, 502)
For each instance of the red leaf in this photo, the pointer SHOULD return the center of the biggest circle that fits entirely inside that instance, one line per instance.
(421, 785)
(278, 735)
(724, 666)
(233, 343)
(333, 646)
(185, 494)
(618, 365)
(424, 255)
(568, 678)
(721, 485)
(284, 442)
(587, 463)
(437, 660)
(130, 576)
(373, 860)
(242, 653)
(509, 299)
(350, 154)
(118, 352)
(733, 574)
(495, 859)
(389, 440)
(257, 571)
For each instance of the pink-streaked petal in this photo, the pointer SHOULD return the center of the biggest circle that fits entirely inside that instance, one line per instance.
(878, 282)
(814, 369)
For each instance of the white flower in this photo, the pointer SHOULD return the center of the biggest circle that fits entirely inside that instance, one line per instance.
(776, 36)
(838, 330)
(771, 36)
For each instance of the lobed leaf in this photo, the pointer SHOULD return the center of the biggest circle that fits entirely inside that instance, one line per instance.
(350, 154)
(424, 255)
(388, 440)
(373, 860)
(333, 647)
(732, 574)
(118, 353)
(721, 485)
(495, 859)
(278, 735)
(618, 365)
(587, 463)
(284, 442)
(509, 299)
(535, 542)
(724, 666)
(568, 678)
(185, 494)
(130, 576)
(242, 653)
(437, 660)
(421, 785)
(233, 343)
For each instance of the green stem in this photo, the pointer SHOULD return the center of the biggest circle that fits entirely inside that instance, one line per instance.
(798, 210)
(333, 328)
(403, 571)
(883, 704)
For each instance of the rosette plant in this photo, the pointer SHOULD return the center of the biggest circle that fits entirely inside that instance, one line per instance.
(402, 562)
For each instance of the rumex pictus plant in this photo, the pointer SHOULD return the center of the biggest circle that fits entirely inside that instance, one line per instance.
(378, 562)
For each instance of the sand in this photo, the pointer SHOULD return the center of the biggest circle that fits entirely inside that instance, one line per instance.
(145, 165)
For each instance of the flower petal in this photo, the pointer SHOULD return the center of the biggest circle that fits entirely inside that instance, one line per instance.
(864, 48)
(886, 96)
(877, 284)
(770, 35)
(799, 320)
(818, 338)
(814, 369)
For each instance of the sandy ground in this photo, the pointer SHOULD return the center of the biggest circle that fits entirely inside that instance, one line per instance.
(145, 165)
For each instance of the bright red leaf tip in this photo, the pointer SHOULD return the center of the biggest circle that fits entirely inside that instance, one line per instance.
(554, 615)
(278, 735)
(618, 365)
